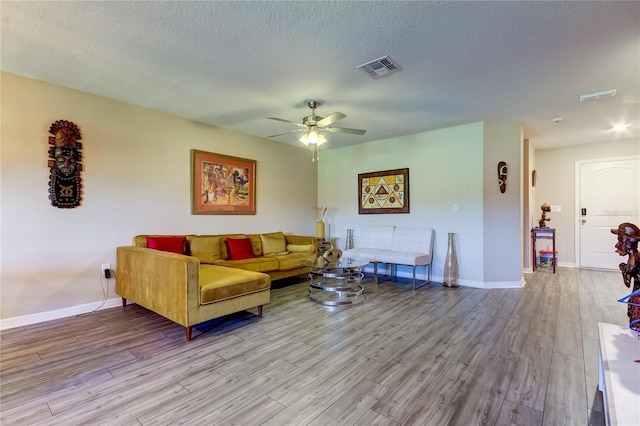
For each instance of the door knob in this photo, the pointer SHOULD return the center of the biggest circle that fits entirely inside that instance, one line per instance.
(583, 220)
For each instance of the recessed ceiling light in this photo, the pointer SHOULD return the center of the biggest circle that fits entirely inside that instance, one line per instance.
(557, 120)
(598, 95)
(620, 127)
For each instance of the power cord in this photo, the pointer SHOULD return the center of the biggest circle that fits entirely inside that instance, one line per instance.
(105, 292)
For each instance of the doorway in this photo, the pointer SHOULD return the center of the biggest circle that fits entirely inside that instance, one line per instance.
(608, 193)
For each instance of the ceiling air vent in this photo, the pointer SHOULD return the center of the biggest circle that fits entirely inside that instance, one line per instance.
(597, 95)
(380, 67)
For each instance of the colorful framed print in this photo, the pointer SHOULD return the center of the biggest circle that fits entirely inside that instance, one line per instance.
(383, 192)
(222, 184)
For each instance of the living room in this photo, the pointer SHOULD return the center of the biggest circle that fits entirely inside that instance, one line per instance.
(508, 346)
(137, 180)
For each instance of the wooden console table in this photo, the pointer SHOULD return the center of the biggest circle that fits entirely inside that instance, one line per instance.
(543, 234)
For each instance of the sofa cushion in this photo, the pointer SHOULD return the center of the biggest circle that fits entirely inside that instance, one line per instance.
(273, 243)
(300, 248)
(219, 283)
(258, 264)
(224, 251)
(414, 258)
(294, 260)
(362, 253)
(205, 248)
(170, 244)
(256, 245)
(240, 248)
(375, 236)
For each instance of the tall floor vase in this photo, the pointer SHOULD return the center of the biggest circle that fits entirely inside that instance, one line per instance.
(348, 245)
(450, 276)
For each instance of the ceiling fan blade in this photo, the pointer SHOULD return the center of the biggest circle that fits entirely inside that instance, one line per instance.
(330, 119)
(287, 121)
(290, 131)
(345, 130)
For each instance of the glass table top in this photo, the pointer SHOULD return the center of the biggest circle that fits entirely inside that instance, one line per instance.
(345, 262)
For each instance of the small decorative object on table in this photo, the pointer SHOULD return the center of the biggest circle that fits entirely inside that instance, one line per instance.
(450, 276)
(332, 255)
(320, 212)
(546, 208)
(628, 237)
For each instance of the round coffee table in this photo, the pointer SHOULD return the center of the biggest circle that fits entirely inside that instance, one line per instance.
(338, 283)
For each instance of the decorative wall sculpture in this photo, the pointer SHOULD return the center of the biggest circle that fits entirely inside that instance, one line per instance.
(65, 162)
(502, 176)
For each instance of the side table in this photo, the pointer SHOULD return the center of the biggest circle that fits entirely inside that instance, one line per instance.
(543, 234)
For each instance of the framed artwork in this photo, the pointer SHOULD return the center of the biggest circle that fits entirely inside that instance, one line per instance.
(383, 192)
(222, 184)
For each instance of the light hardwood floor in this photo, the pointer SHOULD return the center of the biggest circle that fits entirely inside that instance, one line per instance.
(434, 356)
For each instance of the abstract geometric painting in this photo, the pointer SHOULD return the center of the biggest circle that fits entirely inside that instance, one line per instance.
(384, 192)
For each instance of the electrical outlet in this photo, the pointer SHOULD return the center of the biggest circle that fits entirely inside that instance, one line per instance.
(106, 270)
(456, 207)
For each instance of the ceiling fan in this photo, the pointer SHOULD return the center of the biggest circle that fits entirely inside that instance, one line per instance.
(313, 124)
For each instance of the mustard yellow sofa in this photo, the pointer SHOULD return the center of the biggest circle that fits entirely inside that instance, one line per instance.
(191, 279)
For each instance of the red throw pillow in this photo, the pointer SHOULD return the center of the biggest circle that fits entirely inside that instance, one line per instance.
(240, 248)
(171, 244)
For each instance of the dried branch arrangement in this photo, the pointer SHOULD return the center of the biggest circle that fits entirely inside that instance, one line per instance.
(320, 212)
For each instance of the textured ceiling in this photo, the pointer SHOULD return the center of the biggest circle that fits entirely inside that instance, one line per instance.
(232, 64)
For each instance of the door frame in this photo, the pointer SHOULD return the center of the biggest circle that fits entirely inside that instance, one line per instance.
(576, 207)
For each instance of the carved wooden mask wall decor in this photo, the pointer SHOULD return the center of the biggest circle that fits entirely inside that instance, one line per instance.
(502, 176)
(65, 162)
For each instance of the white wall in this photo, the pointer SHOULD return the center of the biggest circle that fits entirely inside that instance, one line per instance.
(556, 186)
(445, 168)
(136, 180)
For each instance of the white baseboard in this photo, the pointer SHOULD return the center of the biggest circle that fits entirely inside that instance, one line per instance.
(58, 313)
(465, 283)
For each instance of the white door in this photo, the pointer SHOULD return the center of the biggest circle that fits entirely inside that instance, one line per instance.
(609, 194)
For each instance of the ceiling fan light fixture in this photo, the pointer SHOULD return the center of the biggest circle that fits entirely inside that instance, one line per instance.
(313, 137)
(305, 139)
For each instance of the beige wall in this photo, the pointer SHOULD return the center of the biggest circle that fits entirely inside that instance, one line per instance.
(136, 180)
(556, 186)
(502, 213)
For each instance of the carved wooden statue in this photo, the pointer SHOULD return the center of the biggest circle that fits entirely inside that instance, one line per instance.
(546, 208)
(628, 237)
(65, 182)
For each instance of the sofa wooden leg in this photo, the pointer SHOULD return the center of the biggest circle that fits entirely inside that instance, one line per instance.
(124, 302)
(188, 331)
(260, 310)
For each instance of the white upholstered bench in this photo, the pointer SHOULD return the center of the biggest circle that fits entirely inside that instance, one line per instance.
(394, 245)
